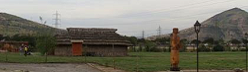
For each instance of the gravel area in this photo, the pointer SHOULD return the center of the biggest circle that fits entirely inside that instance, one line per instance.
(46, 67)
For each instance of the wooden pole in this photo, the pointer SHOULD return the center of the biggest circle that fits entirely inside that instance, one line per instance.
(85, 60)
(113, 47)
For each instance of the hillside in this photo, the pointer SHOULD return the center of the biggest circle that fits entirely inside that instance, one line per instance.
(230, 24)
(11, 25)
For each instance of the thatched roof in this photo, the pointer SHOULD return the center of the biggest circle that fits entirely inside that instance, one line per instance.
(96, 36)
(15, 42)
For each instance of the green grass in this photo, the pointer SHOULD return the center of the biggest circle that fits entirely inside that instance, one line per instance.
(146, 61)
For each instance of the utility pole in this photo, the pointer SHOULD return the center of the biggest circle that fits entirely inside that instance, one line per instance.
(159, 31)
(56, 19)
(143, 34)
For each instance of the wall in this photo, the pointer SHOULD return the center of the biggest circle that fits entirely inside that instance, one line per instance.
(64, 50)
(93, 50)
(105, 50)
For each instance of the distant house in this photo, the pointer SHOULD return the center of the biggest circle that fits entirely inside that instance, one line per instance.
(91, 41)
(190, 47)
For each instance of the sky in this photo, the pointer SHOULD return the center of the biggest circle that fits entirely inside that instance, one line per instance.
(130, 17)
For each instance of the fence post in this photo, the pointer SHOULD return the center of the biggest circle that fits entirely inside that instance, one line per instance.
(113, 47)
(137, 64)
(85, 56)
(6, 56)
(85, 60)
(46, 57)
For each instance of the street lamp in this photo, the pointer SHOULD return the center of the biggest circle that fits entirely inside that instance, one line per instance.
(197, 27)
(246, 36)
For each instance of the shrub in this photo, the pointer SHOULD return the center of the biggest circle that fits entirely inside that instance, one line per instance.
(218, 48)
(203, 48)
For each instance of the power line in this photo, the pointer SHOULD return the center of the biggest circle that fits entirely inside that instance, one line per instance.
(188, 16)
(174, 18)
(175, 7)
(185, 7)
(180, 17)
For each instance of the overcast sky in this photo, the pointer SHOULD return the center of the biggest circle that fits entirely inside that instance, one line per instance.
(130, 17)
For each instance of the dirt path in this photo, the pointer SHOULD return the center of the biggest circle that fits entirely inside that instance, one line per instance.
(51, 67)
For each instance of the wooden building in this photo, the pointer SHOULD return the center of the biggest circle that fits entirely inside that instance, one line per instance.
(91, 41)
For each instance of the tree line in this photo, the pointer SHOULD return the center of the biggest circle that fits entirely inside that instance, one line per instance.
(207, 45)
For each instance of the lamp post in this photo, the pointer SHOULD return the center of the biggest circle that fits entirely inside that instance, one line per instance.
(246, 36)
(197, 27)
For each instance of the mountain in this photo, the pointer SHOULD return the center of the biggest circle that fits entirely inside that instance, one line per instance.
(11, 25)
(230, 24)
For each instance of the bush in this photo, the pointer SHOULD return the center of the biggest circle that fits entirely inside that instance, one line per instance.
(155, 49)
(45, 43)
(149, 46)
(218, 48)
(203, 48)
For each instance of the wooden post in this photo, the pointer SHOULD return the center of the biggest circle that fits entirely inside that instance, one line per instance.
(46, 57)
(46, 48)
(85, 60)
(137, 64)
(113, 47)
(85, 56)
(6, 56)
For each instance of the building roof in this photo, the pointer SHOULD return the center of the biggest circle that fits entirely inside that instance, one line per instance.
(96, 36)
(15, 42)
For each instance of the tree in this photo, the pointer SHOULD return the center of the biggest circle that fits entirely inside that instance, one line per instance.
(195, 41)
(162, 40)
(1, 37)
(203, 48)
(244, 41)
(235, 41)
(209, 41)
(184, 43)
(218, 47)
(46, 42)
(134, 41)
(220, 41)
(140, 48)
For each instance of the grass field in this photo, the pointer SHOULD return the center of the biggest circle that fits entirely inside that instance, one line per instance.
(146, 61)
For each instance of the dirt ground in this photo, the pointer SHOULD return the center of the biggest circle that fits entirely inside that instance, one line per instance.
(51, 67)
(72, 67)
(104, 68)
